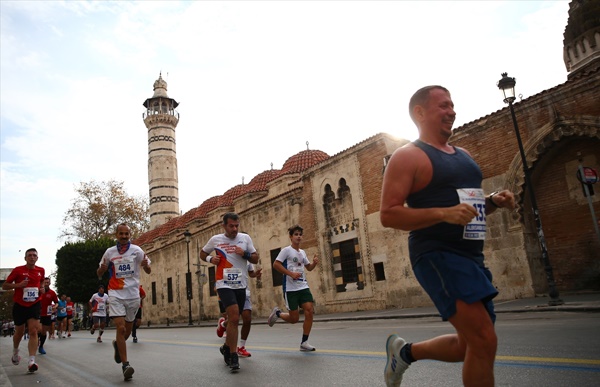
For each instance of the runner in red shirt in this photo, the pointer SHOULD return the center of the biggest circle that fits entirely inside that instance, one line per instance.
(49, 304)
(70, 309)
(138, 316)
(26, 281)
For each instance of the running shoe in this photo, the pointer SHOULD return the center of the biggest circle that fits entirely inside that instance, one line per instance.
(395, 366)
(32, 366)
(242, 352)
(117, 357)
(220, 328)
(273, 316)
(99, 339)
(42, 350)
(69, 335)
(128, 372)
(135, 339)
(16, 358)
(224, 349)
(234, 362)
(92, 330)
(64, 336)
(305, 347)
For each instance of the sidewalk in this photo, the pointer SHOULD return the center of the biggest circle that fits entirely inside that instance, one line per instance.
(574, 302)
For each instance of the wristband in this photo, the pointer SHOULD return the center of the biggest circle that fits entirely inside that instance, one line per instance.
(492, 200)
(208, 258)
(247, 255)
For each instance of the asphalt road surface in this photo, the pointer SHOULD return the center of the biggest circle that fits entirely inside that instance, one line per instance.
(535, 349)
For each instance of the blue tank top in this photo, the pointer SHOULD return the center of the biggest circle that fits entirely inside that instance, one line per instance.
(450, 172)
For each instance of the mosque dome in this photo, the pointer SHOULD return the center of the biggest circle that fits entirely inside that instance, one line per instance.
(303, 160)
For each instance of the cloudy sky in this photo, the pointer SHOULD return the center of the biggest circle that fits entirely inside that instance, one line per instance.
(255, 81)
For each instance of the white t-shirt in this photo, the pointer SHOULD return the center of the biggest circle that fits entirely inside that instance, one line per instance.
(99, 304)
(232, 271)
(295, 261)
(250, 268)
(124, 271)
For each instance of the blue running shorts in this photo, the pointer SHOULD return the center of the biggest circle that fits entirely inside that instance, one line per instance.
(448, 277)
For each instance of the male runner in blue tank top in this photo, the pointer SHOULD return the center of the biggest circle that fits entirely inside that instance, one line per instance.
(445, 214)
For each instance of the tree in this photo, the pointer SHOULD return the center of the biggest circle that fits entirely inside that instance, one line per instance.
(76, 265)
(100, 207)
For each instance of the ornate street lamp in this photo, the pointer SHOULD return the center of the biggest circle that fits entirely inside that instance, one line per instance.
(188, 276)
(507, 85)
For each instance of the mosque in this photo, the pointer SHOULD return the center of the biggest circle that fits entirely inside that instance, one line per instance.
(336, 198)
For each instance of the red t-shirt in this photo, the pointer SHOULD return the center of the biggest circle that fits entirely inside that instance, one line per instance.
(70, 307)
(47, 299)
(142, 294)
(31, 293)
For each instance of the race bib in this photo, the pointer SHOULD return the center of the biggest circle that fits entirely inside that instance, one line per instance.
(30, 294)
(475, 229)
(232, 277)
(49, 310)
(297, 269)
(124, 267)
(100, 307)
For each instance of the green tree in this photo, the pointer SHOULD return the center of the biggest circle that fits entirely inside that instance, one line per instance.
(76, 268)
(99, 208)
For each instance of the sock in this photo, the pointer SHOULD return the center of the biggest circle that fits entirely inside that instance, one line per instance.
(125, 364)
(406, 354)
(304, 338)
(278, 313)
(15, 351)
(242, 343)
(42, 339)
(32, 359)
(101, 332)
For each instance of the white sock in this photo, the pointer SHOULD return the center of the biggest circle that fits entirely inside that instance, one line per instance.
(32, 359)
(242, 343)
(15, 351)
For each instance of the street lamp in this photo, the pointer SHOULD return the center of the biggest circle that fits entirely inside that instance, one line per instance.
(188, 276)
(507, 85)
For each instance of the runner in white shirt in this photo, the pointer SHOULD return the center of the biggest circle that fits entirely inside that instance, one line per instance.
(291, 262)
(98, 304)
(233, 251)
(123, 263)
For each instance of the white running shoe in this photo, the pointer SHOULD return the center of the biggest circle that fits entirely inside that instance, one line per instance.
(16, 358)
(273, 316)
(395, 366)
(305, 347)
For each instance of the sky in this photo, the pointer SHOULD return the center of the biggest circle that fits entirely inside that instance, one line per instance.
(256, 81)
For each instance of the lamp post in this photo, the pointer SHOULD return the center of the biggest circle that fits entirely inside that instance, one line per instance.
(188, 276)
(507, 85)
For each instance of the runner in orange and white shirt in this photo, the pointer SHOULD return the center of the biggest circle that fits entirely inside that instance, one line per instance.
(124, 262)
(234, 250)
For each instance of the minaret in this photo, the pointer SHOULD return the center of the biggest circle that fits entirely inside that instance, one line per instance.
(161, 119)
(581, 42)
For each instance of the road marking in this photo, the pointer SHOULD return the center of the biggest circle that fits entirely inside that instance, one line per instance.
(561, 360)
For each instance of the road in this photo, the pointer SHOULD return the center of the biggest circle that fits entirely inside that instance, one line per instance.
(535, 349)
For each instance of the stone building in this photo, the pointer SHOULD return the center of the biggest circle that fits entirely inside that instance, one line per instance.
(365, 266)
